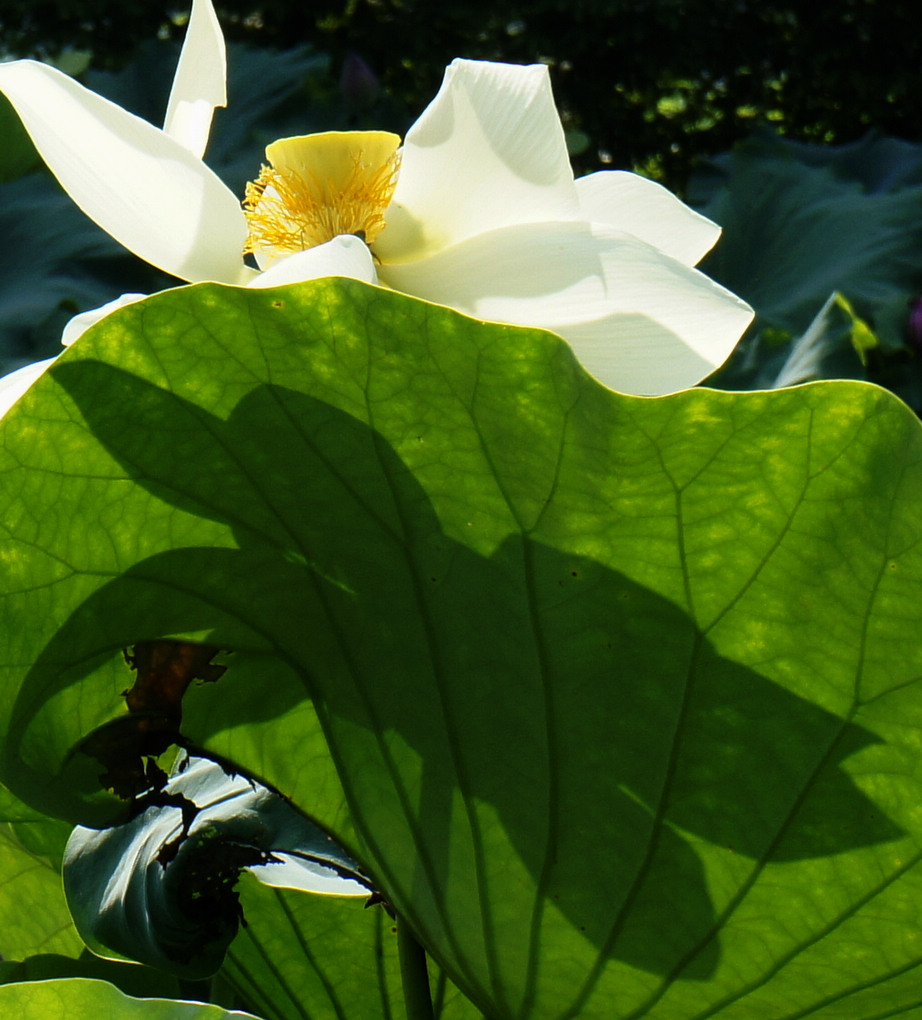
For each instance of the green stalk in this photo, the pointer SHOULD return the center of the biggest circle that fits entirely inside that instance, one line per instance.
(196, 991)
(414, 973)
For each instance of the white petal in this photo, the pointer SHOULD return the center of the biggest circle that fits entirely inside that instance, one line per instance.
(343, 256)
(638, 320)
(13, 386)
(489, 151)
(80, 323)
(146, 190)
(649, 211)
(199, 82)
(290, 872)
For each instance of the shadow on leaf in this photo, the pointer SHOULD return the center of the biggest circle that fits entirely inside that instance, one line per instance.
(530, 710)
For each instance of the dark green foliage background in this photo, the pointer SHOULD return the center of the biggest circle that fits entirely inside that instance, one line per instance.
(653, 83)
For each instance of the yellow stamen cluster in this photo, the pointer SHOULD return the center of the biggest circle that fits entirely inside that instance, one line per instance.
(318, 187)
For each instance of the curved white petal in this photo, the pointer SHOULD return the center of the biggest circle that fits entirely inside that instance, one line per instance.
(647, 210)
(142, 187)
(199, 83)
(489, 151)
(80, 323)
(343, 256)
(287, 871)
(638, 320)
(13, 386)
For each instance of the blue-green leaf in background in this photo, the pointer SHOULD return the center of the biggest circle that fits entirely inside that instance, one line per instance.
(18, 156)
(834, 346)
(801, 222)
(616, 699)
(53, 263)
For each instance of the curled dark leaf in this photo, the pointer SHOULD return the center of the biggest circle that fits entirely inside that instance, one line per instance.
(160, 888)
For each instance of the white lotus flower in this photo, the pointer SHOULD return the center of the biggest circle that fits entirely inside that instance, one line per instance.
(478, 210)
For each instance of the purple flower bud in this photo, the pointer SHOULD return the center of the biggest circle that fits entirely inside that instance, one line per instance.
(914, 326)
(358, 83)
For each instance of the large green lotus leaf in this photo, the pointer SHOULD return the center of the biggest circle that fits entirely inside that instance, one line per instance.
(130, 978)
(88, 999)
(323, 956)
(614, 698)
(37, 937)
(33, 914)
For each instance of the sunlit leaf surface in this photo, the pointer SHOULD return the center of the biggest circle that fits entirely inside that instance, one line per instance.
(615, 698)
(86, 999)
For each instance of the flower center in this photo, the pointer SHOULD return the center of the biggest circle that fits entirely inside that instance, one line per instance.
(318, 187)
